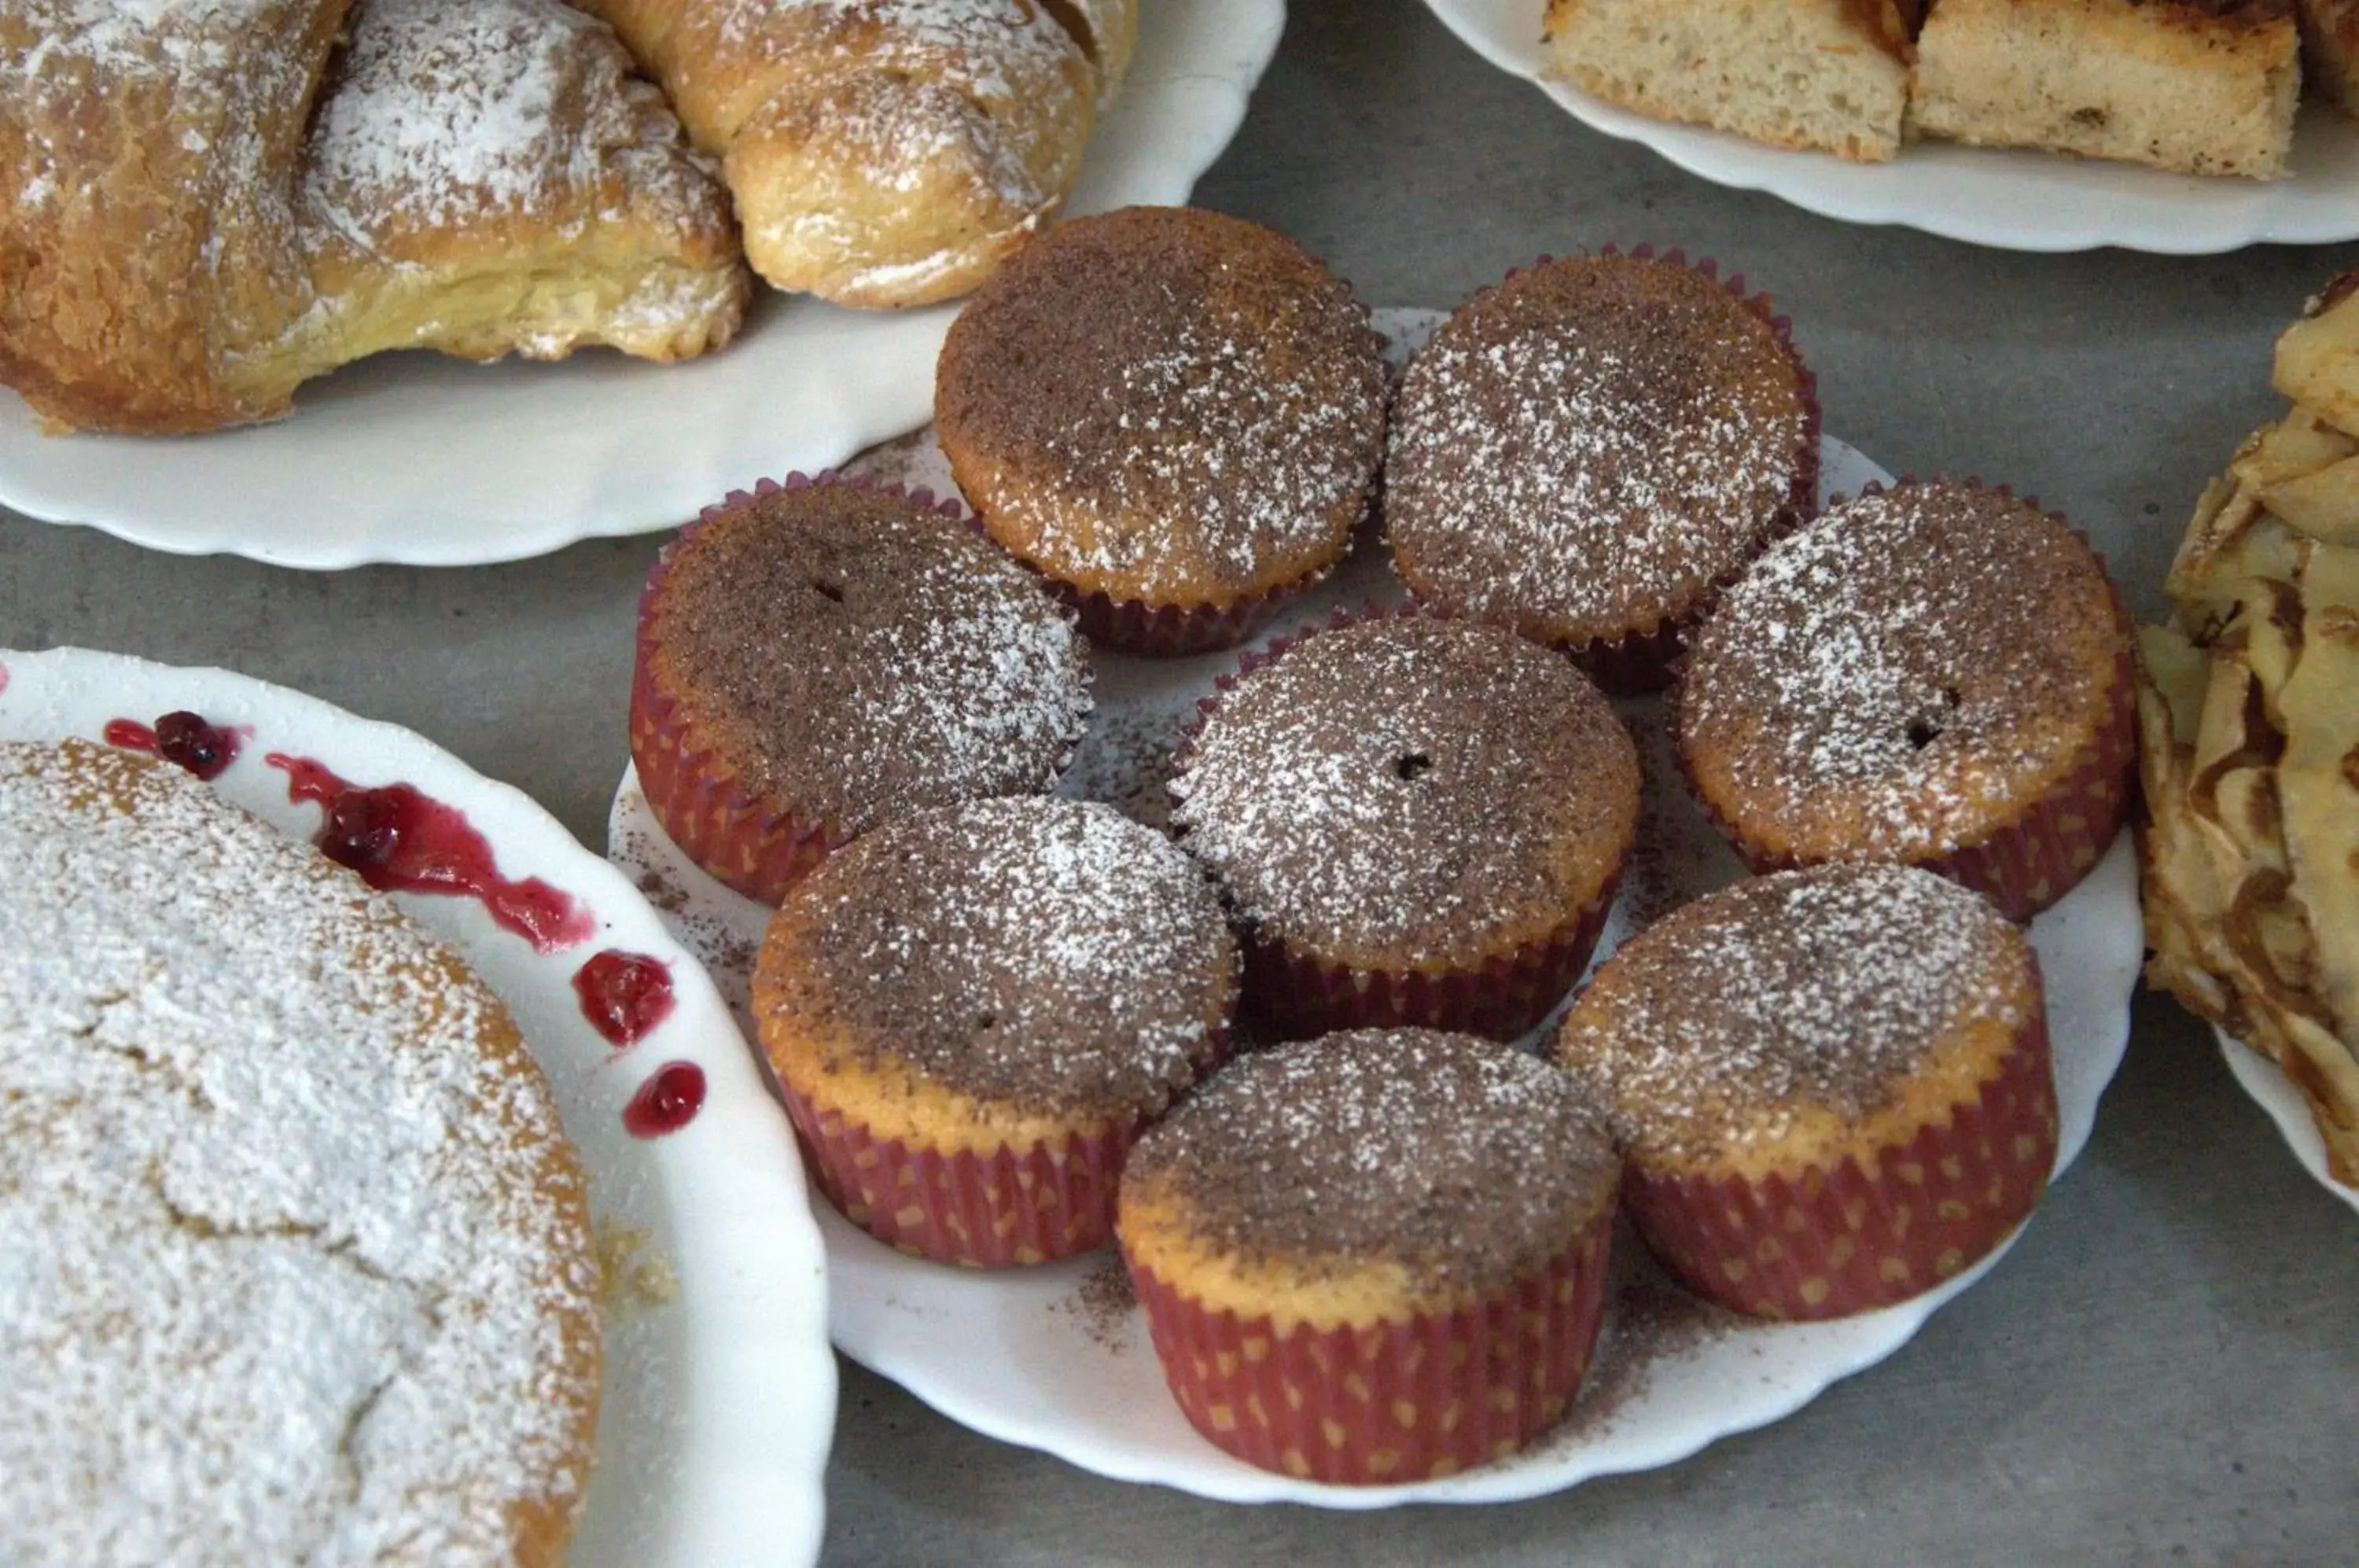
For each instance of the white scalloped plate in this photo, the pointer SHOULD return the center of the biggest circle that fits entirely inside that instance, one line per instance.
(423, 461)
(1048, 1358)
(2265, 1081)
(719, 1402)
(2015, 201)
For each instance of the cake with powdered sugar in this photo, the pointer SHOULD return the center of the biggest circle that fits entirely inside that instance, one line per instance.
(295, 1261)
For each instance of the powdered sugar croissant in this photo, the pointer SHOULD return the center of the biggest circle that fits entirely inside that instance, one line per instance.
(884, 152)
(200, 208)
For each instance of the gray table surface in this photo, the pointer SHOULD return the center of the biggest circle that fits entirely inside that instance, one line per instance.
(2167, 1369)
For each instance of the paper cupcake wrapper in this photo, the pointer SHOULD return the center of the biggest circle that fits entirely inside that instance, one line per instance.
(759, 846)
(1293, 995)
(1642, 660)
(1169, 631)
(1387, 1402)
(1840, 1240)
(2027, 864)
(1002, 1210)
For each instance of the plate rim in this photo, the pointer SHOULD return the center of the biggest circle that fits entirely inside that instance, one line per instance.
(803, 1360)
(2265, 1084)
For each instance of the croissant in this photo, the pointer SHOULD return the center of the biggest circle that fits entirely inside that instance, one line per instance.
(148, 235)
(885, 153)
(481, 177)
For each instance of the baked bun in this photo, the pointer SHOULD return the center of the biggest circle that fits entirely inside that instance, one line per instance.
(298, 1259)
(885, 153)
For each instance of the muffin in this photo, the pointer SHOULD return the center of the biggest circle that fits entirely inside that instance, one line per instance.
(1832, 1085)
(1376, 1257)
(1589, 450)
(818, 658)
(1416, 820)
(298, 1251)
(973, 1010)
(1937, 674)
(1177, 416)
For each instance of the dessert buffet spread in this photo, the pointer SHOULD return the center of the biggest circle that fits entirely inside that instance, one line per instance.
(2251, 731)
(1267, 1053)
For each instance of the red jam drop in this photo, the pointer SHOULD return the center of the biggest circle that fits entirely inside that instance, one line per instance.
(623, 994)
(667, 1102)
(400, 839)
(181, 739)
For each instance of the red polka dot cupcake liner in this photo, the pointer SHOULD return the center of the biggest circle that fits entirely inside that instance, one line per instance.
(1643, 661)
(1386, 1402)
(1003, 1210)
(1853, 1237)
(1292, 996)
(2030, 863)
(757, 846)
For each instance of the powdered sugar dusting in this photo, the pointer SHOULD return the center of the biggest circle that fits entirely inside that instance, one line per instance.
(447, 112)
(278, 1278)
(1409, 785)
(867, 655)
(1880, 675)
(1584, 451)
(1469, 1161)
(1045, 952)
(1823, 988)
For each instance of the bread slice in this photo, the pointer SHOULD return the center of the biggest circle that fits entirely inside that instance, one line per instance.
(2200, 86)
(1831, 74)
(2330, 42)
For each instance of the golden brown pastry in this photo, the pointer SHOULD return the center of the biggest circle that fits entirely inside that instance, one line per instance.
(2249, 712)
(482, 177)
(885, 153)
(487, 177)
(147, 240)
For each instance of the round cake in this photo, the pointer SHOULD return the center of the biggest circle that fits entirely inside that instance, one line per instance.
(1938, 674)
(1177, 415)
(817, 658)
(1832, 1085)
(297, 1262)
(973, 1010)
(1376, 1257)
(1416, 820)
(1589, 451)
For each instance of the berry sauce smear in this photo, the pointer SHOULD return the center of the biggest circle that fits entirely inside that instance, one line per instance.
(667, 1102)
(400, 839)
(623, 994)
(181, 739)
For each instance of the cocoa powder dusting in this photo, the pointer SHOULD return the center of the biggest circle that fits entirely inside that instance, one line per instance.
(1105, 1304)
(854, 655)
(1467, 1161)
(1176, 398)
(1584, 450)
(1038, 953)
(1409, 785)
(1825, 987)
(1881, 675)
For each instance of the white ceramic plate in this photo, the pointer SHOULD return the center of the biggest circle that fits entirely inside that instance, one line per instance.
(2017, 201)
(2265, 1081)
(720, 1401)
(424, 461)
(1056, 1357)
